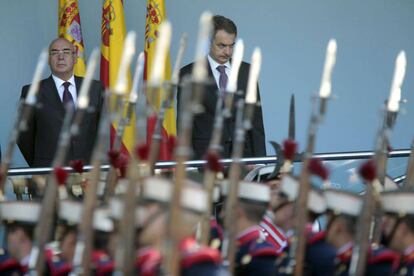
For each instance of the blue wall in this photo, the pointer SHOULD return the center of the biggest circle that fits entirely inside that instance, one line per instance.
(293, 36)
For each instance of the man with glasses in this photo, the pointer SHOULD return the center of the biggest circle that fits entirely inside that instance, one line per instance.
(56, 95)
(219, 65)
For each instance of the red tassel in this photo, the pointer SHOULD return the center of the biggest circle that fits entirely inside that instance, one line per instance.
(61, 175)
(113, 155)
(289, 149)
(77, 165)
(142, 151)
(122, 164)
(368, 170)
(213, 161)
(316, 167)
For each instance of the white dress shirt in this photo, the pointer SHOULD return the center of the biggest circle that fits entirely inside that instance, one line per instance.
(216, 73)
(72, 88)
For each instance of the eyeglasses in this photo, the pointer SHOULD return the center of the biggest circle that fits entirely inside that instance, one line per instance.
(65, 52)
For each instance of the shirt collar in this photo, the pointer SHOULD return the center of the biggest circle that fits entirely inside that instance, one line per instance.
(214, 63)
(58, 81)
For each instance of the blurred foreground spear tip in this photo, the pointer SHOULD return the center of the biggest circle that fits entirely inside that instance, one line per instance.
(292, 118)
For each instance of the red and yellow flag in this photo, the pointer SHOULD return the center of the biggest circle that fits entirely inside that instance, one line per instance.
(69, 27)
(113, 34)
(155, 15)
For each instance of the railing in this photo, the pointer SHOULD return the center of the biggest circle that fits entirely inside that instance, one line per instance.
(337, 156)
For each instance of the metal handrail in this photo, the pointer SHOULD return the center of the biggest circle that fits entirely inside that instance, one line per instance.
(335, 156)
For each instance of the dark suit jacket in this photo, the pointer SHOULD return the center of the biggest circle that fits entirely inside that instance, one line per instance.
(38, 144)
(203, 123)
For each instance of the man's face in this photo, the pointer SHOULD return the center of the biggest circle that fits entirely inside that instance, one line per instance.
(285, 217)
(221, 48)
(62, 58)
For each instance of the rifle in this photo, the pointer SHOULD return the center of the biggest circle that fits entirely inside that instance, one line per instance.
(370, 220)
(215, 144)
(24, 113)
(169, 96)
(136, 172)
(297, 252)
(243, 123)
(189, 107)
(69, 129)
(118, 115)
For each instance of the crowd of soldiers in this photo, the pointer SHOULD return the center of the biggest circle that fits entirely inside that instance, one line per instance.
(139, 220)
(265, 223)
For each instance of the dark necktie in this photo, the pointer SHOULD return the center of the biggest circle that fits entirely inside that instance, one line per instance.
(67, 96)
(223, 77)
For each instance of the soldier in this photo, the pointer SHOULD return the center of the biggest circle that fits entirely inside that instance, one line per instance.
(319, 255)
(195, 259)
(255, 255)
(60, 263)
(399, 227)
(20, 218)
(344, 209)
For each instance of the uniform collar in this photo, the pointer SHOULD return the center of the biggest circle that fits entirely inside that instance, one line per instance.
(345, 251)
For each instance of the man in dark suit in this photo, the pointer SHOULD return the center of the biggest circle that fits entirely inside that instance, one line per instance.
(38, 144)
(219, 64)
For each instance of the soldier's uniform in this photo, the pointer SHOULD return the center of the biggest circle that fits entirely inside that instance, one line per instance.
(399, 204)
(273, 233)
(407, 262)
(70, 213)
(380, 260)
(10, 266)
(56, 265)
(255, 256)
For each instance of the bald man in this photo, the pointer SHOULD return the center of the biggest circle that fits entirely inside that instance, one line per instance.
(39, 142)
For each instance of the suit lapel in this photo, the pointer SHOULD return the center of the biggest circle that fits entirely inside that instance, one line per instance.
(52, 94)
(78, 83)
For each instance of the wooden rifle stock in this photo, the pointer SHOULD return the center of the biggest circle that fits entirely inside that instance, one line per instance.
(209, 175)
(297, 251)
(169, 88)
(243, 123)
(85, 236)
(182, 153)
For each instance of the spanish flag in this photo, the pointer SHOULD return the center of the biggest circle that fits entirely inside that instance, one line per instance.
(69, 27)
(155, 15)
(113, 34)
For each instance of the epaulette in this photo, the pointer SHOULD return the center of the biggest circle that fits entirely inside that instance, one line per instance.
(383, 255)
(56, 265)
(192, 253)
(148, 262)
(7, 263)
(262, 248)
(316, 237)
(103, 263)
(252, 233)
